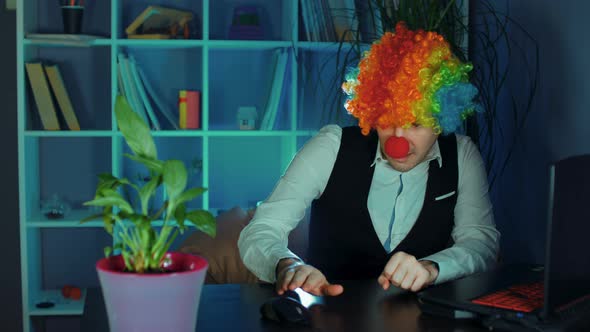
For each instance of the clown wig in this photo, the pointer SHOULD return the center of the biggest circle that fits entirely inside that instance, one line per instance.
(410, 78)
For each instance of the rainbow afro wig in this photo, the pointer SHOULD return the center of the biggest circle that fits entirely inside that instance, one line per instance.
(410, 78)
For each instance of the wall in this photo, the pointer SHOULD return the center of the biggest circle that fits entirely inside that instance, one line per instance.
(10, 309)
(556, 127)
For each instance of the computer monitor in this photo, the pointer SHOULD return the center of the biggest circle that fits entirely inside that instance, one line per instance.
(567, 270)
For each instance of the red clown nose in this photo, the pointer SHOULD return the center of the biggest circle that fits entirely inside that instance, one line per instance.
(397, 147)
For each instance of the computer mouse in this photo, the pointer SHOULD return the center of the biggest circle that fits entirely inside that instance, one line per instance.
(286, 309)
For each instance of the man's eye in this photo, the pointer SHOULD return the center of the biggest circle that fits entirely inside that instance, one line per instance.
(416, 125)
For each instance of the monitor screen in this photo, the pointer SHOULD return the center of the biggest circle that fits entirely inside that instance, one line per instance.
(568, 235)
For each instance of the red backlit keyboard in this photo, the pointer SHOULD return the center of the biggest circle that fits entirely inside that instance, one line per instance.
(525, 298)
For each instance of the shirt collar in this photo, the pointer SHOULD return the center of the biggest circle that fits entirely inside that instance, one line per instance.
(434, 153)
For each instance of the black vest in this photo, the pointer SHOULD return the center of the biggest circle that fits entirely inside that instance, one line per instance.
(343, 243)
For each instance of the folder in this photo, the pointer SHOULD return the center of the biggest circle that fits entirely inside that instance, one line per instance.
(62, 97)
(42, 96)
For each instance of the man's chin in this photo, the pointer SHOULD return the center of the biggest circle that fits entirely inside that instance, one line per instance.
(402, 164)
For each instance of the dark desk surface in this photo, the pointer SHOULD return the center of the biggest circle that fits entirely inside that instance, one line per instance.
(363, 306)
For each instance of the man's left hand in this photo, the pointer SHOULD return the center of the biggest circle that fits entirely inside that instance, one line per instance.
(405, 271)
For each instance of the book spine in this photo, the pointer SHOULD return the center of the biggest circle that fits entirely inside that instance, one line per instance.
(62, 97)
(42, 96)
(182, 108)
(193, 109)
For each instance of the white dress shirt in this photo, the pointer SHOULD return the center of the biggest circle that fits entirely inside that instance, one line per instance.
(476, 240)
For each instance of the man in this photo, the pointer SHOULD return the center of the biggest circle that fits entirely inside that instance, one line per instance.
(401, 199)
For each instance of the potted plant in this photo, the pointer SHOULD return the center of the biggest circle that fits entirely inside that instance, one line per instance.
(146, 287)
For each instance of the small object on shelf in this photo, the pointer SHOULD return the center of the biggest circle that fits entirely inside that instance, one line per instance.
(55, 208)
(157, 22)
(189, 109)
(71, 292)
(72, 12)
(246, 24)
(247, 116)
(45, 305)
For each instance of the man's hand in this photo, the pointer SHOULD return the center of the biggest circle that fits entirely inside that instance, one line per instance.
(404, 271)
(292, 274)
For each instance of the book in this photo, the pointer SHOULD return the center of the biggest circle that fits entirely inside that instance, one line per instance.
(278, 84)
(142, 93)
(182, 109)
(193, 109)
(156, 99)
(132, 95)
(344, 18)
(267, 122)
(265, 109)
(61, 95)
(42, 96)
(158, 18)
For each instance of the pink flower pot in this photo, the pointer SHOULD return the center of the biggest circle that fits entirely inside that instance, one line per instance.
(153, 302)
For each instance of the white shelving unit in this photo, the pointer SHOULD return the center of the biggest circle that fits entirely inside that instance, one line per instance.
(238, 167)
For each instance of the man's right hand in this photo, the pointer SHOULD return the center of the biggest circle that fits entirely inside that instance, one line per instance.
(292, 273)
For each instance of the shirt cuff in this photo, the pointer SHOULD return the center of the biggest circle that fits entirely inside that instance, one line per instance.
(270, 274)
(447, 270)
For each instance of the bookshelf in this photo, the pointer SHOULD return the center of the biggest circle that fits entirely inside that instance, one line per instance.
(239, 167)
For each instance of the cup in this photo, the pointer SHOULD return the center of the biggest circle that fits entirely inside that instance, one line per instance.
(72, 17)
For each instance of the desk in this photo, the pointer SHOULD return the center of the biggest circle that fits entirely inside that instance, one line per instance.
(363, 306)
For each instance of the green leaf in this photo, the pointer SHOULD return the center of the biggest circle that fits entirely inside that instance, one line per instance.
(110, 198)
(180, 215)
(154, 165)
(175, 178)
(108, 251)
(190, 194)
(91, 218)
(204, 221)
(136, 132)
(108, 223)
(147, 191)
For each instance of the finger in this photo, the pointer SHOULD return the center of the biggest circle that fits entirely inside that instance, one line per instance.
(299, 278)
(383, 281)
(399, 274)
(407, 264)
(392, 264)
(285, 280)
(332, 290)
(408, 280)
(420, 282)
(314, 281)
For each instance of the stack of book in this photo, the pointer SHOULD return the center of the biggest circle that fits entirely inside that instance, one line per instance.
(45, 79)
(140, 94)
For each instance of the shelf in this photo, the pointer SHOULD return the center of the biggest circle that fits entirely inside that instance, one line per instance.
(180, 43)
(329, 46)
(239, 167)
(70, 133)
(171, 133)
(66, 40)
(62, 305)
(72, 220)
(248, 44)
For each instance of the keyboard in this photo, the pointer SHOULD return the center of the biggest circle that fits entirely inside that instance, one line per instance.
(524, 298)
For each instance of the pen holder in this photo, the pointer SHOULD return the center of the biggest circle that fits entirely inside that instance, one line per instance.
(72, 17)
